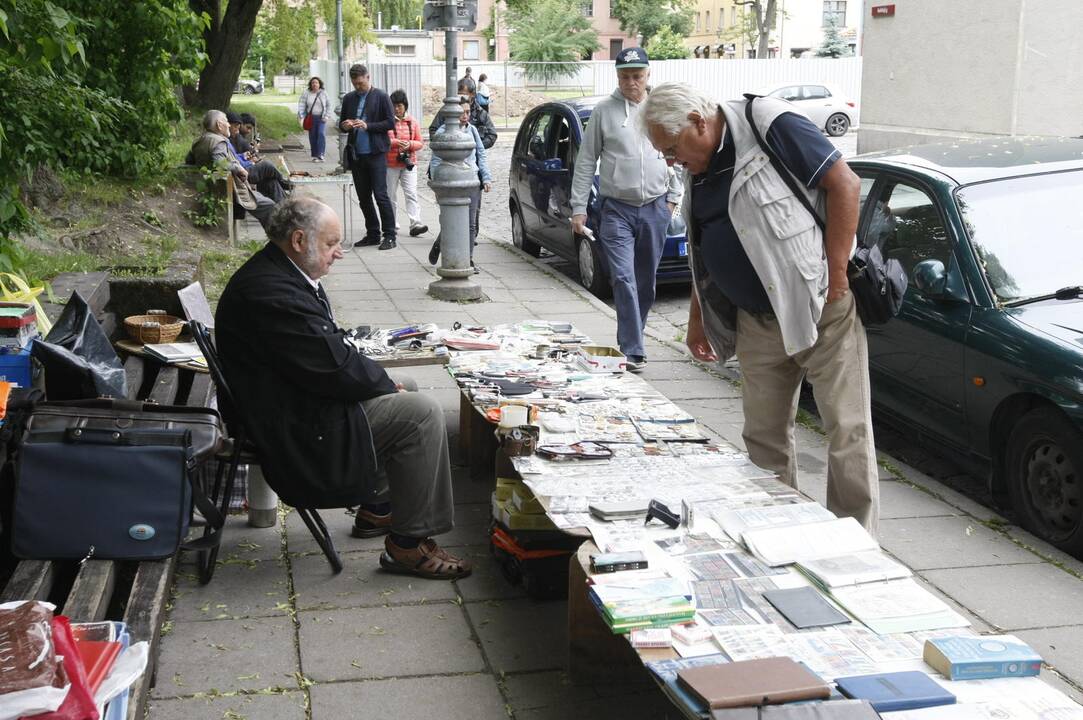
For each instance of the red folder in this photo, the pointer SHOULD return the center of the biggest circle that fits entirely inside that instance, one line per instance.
(98, 658)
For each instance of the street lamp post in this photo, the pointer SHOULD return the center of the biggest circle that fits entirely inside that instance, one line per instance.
(453, 180)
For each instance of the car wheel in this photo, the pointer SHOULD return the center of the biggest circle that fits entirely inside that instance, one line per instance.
(591, 274)
(1044, 468)
(837, 125)
(249, 90)
(518, 235)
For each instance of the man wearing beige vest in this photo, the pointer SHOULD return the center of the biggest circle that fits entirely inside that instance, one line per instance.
(769, 285)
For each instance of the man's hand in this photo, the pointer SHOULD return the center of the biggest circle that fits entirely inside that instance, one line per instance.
(837, 286)
(579, 224)
(404, 144)
(361, 124)
(672, 206)
(241, 173)
(487, 187)
(697, 342)
(400, 387)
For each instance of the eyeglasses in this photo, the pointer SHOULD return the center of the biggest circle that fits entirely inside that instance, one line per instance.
(669, 153)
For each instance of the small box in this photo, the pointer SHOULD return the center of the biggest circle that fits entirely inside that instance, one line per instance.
(15, 367)
(505, 487)
(601, 359)
(524, 501)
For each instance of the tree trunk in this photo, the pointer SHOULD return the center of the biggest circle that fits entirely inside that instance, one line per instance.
(227, 38)
(766, 20)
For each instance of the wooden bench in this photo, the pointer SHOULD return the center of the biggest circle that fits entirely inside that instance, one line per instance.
(135, 592)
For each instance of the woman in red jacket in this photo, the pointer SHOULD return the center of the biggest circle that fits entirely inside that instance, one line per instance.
(402, 160)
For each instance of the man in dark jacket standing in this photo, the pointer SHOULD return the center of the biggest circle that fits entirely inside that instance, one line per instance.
(324, 418)
(367, 115)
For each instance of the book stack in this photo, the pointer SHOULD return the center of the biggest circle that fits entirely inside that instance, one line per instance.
(644, 604)
(171, 353)
(18, 325)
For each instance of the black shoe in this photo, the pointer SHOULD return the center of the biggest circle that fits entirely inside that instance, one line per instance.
(387, 244)
(418, 230)
(366, 242)
(434, 252)
(476, 268)
(369, 525)
(636, 363)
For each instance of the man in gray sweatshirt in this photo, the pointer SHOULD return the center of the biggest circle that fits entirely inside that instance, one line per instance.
(638, 191)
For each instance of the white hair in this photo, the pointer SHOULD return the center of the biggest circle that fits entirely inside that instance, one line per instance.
(211, 118)
(669, 104)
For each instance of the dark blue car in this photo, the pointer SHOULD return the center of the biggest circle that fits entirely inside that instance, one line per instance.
(542, 165)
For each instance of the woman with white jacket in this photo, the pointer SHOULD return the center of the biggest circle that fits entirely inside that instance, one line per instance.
(314, 104)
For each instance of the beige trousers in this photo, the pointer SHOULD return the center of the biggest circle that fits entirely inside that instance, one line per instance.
(837, 366)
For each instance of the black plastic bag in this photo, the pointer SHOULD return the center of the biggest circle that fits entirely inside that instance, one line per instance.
(78, 359)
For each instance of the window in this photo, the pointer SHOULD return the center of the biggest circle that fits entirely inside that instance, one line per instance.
(707, 23)
(615, 46)
(587, 6)
(733, 15)
(835, 9)
(907, 227)
(814, 92)
(564, 142)
(539, 136)
(788, 93)
(612, 14)
(401, 50)
(722, 19)
(471, 49)
(697, 22)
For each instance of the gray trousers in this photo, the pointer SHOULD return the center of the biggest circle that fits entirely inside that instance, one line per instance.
(633, 239)
(411, 448)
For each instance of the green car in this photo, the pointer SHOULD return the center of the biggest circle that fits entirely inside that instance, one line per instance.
(986, 355)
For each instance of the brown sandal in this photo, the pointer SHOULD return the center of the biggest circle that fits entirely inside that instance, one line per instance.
(427, 560)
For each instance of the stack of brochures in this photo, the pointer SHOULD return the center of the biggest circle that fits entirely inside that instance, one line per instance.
(171, 353)
(786, 544)
(652, 603)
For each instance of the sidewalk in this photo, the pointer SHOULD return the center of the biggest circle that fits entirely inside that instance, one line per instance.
(276, 635)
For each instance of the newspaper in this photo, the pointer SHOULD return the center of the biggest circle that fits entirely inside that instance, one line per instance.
(792, 543)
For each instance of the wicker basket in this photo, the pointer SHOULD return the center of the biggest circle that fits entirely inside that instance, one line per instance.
(154, 327)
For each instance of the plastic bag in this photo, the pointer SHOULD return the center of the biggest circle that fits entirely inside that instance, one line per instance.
(31, 680)
(78, 358)
(23, 293)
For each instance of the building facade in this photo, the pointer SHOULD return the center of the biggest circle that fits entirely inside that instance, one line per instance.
(722, 30)
(938, 70)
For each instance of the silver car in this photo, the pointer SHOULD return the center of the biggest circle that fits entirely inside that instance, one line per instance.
(824, 105)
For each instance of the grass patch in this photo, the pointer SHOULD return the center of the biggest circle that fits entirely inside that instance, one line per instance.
(275, 122)
(219, 266)
(39, 266)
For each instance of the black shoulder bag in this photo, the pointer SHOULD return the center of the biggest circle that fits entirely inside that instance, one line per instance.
(878, 285)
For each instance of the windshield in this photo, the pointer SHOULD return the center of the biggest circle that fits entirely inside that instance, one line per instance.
(1027, 232)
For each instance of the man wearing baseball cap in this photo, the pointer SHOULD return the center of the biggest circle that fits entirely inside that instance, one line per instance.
(638, 192)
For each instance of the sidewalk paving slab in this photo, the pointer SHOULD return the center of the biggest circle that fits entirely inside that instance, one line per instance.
(384, 642)
(522, 634)
(227, 655)
(239, 589)
(1015, 597)
(362, 583)
(902, 500)
(430, 698)
(280, 706)
(949, 542)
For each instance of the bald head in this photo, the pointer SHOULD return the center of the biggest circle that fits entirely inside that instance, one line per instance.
(308, 231)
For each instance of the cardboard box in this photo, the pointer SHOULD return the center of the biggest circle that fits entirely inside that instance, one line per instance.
(15, 367)
(524, 501)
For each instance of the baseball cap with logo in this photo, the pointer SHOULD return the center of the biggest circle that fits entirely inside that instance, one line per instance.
(633, 57)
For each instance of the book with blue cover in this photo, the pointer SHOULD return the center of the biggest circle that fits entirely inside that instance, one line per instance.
(888, 692)
(979, 658)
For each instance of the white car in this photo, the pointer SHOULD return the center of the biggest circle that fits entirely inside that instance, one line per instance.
(822, 103)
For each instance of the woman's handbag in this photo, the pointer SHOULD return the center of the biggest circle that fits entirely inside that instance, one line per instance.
(878, 285)
(307, 124)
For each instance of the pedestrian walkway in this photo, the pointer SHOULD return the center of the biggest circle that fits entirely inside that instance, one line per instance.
(277, 636)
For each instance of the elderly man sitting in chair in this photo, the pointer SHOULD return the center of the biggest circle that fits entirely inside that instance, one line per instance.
(327, 422)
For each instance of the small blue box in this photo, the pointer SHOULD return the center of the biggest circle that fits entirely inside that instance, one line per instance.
(15, 367)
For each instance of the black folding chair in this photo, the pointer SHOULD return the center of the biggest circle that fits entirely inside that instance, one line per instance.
(239, 451)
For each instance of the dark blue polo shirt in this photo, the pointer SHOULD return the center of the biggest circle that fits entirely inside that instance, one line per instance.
(808, 155)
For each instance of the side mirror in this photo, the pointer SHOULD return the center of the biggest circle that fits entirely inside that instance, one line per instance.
(553, 165)
(930, 278)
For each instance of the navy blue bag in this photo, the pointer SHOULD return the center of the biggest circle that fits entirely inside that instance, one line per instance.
(114, 494)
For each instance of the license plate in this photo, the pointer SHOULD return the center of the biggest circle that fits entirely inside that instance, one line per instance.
(682, 249)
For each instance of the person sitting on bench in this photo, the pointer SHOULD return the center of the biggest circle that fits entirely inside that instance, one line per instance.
(212, 148)
(326, 420)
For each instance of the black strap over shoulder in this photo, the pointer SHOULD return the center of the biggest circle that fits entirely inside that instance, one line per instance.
(776, 162)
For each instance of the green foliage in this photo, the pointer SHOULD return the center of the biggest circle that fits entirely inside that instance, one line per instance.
(833, 45)
(285, 38)
(403, 13)
(667, 45)
(550, 32)
(649, 17)
(275, 122)
(88, 88)
(210, 200)
(356, 24)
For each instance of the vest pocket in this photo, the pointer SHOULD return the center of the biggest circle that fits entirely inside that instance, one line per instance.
(785, 215)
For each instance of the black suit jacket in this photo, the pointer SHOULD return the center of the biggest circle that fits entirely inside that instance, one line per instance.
(378, 114)
(298, 384)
